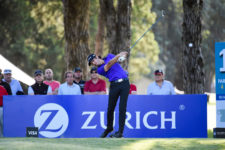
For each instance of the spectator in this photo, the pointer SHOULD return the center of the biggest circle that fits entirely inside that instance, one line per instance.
(95, 85)
(160, 86)
(69, 87)
(78, 78)
(14, 84)
(133, 89)
(5, 84)
(39, 88)
(49, 81)
(2, 92)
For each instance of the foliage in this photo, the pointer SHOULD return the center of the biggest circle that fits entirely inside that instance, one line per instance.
(168, 35)
(32, 34)
(15, 22)
(213, 31)
(93, 23)
(49, 45)
(147, 50)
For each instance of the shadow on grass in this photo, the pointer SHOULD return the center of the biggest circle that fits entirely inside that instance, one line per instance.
(187, 145)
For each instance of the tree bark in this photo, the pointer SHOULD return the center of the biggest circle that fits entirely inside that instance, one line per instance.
(193, 75)
(118, 26)
(76, 21)
(208, 81)
(99, 42)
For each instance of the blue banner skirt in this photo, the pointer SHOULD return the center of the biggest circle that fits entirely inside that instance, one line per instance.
(85, 116)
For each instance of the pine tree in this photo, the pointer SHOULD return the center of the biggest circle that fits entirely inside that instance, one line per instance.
(76, 21)
(193, 76)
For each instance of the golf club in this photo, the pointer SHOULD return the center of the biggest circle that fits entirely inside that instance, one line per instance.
(160, 18)
(122, 58)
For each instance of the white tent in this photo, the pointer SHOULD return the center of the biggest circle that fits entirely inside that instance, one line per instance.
(17, 73)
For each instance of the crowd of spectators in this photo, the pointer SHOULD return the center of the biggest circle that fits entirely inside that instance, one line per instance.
(46, 85)
(73, 85)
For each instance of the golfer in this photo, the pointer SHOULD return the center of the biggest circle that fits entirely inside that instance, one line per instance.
(119, 87)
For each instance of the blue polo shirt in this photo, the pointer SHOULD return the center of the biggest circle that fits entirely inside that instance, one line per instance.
(115, 72)
(166, 89)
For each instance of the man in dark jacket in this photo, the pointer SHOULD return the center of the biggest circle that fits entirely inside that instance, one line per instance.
(39, 88)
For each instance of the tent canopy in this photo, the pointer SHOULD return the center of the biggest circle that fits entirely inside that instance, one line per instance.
(17, 73)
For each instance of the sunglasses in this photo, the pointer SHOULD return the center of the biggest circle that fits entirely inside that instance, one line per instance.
(158, 74)
(38, 75)
(93, 72)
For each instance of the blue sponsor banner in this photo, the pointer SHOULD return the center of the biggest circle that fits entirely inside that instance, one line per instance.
(84, 116)
(220, 70)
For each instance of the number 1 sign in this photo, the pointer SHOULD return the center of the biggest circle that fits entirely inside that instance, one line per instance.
(220, 83)
(222, 53)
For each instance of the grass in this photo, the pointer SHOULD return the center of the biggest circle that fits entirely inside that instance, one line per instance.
(109, 144)
(210, 133)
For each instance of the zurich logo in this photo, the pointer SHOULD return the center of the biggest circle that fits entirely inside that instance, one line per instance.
(51, 119)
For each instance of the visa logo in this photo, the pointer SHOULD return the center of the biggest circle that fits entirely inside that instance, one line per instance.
(32, 132)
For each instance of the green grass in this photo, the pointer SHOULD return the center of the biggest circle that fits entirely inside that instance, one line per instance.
(210, 133)
(118, 144)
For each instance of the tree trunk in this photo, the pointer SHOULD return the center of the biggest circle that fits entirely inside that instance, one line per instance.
(208, 82)
(193, 76)
(118, 26)
(99, 42)
(76, 20)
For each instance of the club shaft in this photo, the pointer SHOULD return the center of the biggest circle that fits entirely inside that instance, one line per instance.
(146, 32)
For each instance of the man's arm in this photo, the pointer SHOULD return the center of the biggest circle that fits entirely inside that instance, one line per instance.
(60, 91)
(114, 60)
(78, 89)
(149, 90)
(49, 92)
(172, 89)
(55, 92)
(30, 91)
(19, 86)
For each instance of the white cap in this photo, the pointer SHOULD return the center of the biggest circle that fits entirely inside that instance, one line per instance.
(7, 71)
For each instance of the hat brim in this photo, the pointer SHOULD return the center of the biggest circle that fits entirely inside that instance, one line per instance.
(92, 57)
(89, 63)
(38, 74)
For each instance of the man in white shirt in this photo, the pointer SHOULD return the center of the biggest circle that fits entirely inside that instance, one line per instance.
(69, 87)
(14, 84)
(160, 86)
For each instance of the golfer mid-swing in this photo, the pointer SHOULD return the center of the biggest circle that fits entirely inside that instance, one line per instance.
(119, 87)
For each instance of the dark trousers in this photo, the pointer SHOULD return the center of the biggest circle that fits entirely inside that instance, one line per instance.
(117, 90)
